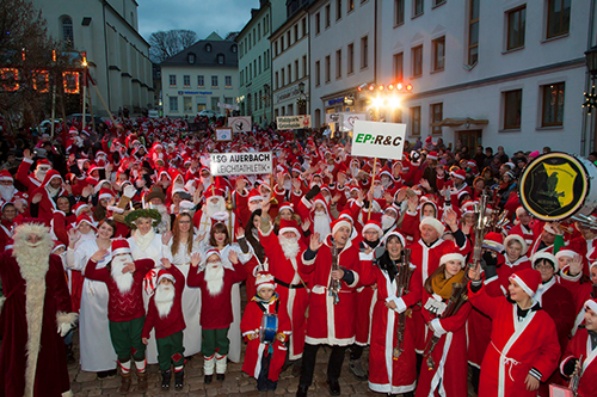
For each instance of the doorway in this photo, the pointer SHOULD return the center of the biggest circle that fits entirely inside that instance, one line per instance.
(468, 138)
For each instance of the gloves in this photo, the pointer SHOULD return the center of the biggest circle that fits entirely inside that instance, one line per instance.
(64, 328)
(129, 191)
(313, 192)
(489, 264)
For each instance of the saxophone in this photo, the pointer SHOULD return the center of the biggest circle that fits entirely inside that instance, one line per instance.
(334, 287)
(402, 277)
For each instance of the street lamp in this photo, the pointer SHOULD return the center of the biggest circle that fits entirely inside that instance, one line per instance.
(591, 97)
(302, 101)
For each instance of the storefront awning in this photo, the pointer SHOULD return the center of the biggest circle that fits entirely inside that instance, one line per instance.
(458, 121)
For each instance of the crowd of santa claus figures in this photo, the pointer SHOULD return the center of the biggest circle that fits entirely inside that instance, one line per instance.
(349, 252)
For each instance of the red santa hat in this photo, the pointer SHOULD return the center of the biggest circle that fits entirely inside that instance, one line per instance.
(591, 304)
(120, 246)
(44, 163)
(519, 240)
(320, 199)
(452, 253)
(5, 175)
(543, 255)
(288, 226)
(551, 228)
(286, 206)
(338, 223)
(434, 223)
(254, 195)
(264, 280)
(165, 274)
(57, 245)
(395, 234)
(211, 252)
(494, 241)
(84, 218)
(213, 191)
(432, 155)
(468, 207)
(527, 279)
(520, 211)
(80, 207)
(105, 194)
(220, 217)
(346, 214)
(373, 224)
(460, 174)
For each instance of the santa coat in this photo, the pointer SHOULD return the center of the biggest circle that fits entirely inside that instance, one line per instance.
(127, 306)
(173, 322)
(255, 350)
(386, 374)
(581, 290)
(366, 299)
(216, 311)
(6, 230)
(291, 289)
(329, 323)
(47, 205)
(449, 376)
(515, 348)
(580, 345)
(32, 354)
(27, 179)
(557, 301)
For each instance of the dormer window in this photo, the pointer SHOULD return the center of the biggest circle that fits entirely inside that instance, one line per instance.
(233, 49)
(191, 58)
(221, 59)
(208, 47)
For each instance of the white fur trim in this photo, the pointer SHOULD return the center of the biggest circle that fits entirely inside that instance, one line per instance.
(455, 256)
(437, 327)
(519, 239)
(115, 209)
(68, 394)
(522, 285)
(547, 256)
(339, 224)
(591, 304)
(434, 223)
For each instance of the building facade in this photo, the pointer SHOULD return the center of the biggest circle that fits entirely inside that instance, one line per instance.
(117, 55)
(202, 77)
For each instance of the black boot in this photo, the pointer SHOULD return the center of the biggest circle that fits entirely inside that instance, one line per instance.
(179, 379)
(207, 379)
(302, 391)
(166, 377)
(334, 387)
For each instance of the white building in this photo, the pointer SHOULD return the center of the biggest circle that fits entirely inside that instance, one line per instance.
(201, 77)
(117, 55)
(509, 73)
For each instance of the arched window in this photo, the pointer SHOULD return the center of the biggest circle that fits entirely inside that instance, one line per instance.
(221, 59)
(68, 36)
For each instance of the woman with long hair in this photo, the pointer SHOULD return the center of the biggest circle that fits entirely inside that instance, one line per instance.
(97, 354)
(259, 258)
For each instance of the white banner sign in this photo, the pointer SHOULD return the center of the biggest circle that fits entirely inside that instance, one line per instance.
(241, 163)
(223, 134)
(379, 140)
(347, 120)
(293, 122)
(240, 124)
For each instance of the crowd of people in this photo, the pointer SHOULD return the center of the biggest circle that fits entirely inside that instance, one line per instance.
(123, 235)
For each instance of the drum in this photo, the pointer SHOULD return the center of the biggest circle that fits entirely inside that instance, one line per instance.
(268, 328)
(557, 185)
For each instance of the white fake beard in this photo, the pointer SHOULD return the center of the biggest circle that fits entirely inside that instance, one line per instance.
(290, 247)
(124, 281)
(40, 175)
(287, 184)
(214, 277)
(387, 221)
(164, 299)
(211, 209)
(52, 191)
(378, 192)
(385, 182)
(205, 182)
(254, 206)
(6, 192)
(321, 224)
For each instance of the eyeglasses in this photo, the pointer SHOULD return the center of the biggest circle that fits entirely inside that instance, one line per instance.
(544, 266)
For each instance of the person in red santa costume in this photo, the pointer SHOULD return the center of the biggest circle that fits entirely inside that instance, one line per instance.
(524, 346)
(7, 224)
(331, 302)
(7, 188)
(43, 200)
(216, 284)
(581, 353)
(34, 180)
(124, 279)
(266, 348)
(283, 253)
(35, 304)
(165, 315)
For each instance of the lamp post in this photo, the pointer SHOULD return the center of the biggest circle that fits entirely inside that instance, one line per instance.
(591, 97)
(302, 101)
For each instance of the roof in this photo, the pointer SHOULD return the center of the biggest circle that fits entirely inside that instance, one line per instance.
(213, 51)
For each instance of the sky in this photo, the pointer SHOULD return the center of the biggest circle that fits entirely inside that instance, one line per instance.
(200, 16)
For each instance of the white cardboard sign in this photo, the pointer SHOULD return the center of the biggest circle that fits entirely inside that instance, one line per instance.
(378, 140)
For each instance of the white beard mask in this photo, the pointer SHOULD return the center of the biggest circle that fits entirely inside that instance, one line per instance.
(40, 175)
(321, 225)
(290, 247)
(6, 192)
(214, 277)
(124, 281)
(212, 208)
(164, 299)
(287, 184)
(378, 191)
(387, 221)
(253, 206)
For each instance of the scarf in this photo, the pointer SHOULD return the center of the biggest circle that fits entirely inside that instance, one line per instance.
(442, 286)
(143, 241)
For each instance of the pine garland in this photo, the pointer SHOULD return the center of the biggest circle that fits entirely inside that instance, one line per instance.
(132, 216)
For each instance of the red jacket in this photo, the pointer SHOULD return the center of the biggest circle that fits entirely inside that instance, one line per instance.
(174, 321)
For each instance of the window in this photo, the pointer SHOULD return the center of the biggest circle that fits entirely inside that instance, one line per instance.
(399, 66)
(327, 16)
(338, 9)
(398, 12)
(338, 64)
(277, 80)
(228, 81)
(282, 44)
(317, 23)
(276, 48)
(349, 6)
(258, 31)
(191, 58)
(317, 74)
(187, 104)
(417, 61)
(473, 32)
(221, 59)
(266, 25)
(214, 102)
(173, 104)
(439, 54)
(254, 67)
(200, 81)
(259, 63)
(512, 109)
(305, 71)
(553, 105)
(186, 80)
(242, 77)
(364, 52)
(558, 18)
(415, 120)
(289, 73)
(350, 59)
(288, 38)
(296, 32)
(68, 35)
(304, 26)
(296, 69)
(208, 46)
(327, 68)
(417, 8)
(437, 115)
(172, 79)
(516, 27)
(283, 75)
(214, 81)
(437, 3)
